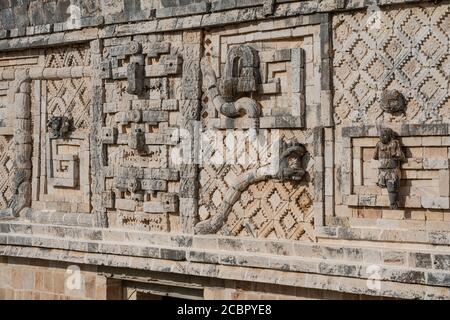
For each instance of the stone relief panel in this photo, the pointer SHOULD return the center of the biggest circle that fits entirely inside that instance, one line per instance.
(277, 68)
(394, 77)
(254, 198)
(141, 126)
(8, 62)
(408, 53)
(73, 56)
(257, 80)
(273, 210)
(61, 113)
(414, 166)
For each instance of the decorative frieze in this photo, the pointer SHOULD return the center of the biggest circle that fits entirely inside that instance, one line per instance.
(262, 124)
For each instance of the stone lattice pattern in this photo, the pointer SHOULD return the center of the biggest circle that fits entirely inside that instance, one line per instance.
(409, 53)
(70, 96)
(268, 209)
(6, 170)
(273, 210)
(73, 56)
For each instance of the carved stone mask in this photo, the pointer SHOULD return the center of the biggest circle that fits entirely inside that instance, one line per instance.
(134, 185)
(241, 71)
(392, 101)
(59, 126)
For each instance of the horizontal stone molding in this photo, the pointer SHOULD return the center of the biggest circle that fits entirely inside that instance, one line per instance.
(190, 16)
(300, 276)
(63, 219)
(276, 254)
(404, 130)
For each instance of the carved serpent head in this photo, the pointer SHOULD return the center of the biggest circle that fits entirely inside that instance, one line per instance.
(291, 161)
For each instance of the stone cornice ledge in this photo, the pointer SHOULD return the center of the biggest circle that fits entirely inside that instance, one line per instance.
(404, 273)
(229, 272)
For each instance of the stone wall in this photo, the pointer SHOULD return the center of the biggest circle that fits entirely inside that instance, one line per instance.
(27, 279)
(30, 279)
(306, 141)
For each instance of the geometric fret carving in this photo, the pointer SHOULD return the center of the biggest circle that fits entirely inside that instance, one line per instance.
(273, 208)
(75, 55)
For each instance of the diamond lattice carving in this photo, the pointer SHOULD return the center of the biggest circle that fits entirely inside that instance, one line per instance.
(267, 209)
(65, 184)
(409, 53)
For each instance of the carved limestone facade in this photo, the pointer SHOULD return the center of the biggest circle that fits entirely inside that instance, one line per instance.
(286, 147)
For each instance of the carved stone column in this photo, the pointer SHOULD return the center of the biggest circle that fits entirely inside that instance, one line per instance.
(22, 140)
(190, 109)
(97, 148)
